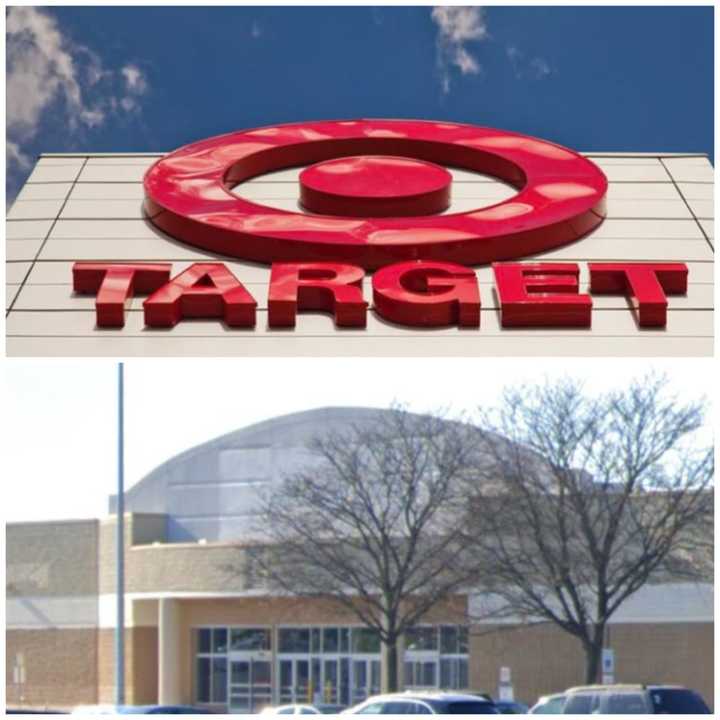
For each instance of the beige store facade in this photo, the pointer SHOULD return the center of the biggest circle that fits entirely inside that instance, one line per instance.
(200, 629)
(198, 633)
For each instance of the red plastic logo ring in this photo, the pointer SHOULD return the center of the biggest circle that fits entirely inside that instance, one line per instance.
(561, 195)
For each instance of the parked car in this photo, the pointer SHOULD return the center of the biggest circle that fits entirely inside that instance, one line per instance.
(318, 709)
(634, 700)
(507, 707)
(32, 711)
(141, 710)
(425, 703)
(549, 705)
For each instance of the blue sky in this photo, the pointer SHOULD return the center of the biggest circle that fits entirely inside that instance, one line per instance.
(154, 78)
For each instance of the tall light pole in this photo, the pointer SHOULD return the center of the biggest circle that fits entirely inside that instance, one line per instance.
(120, 550)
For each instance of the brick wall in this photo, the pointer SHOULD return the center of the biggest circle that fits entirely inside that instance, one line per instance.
(141, 665)
(52, 558)
(169, 567)
(544, 660)
(51, 586)
(60, 667)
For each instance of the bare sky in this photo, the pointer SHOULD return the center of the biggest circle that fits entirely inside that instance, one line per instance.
(60, 453)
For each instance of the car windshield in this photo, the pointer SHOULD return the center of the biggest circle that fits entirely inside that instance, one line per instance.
(554, 706)
(678, 702)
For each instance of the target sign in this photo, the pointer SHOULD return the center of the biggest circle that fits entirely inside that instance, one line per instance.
(373, 190)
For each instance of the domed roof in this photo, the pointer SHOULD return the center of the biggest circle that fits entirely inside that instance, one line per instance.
(210, 491)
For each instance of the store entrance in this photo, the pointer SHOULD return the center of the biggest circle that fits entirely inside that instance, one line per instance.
(327, 679)
(250, 683)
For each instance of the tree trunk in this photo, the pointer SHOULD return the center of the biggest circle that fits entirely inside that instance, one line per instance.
(593, 655)
(390, 667)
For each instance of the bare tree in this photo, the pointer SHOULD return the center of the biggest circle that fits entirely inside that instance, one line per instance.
(372, 526)
(592, 498)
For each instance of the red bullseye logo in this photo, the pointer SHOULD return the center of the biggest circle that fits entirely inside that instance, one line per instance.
(373, 190)
(375, 186)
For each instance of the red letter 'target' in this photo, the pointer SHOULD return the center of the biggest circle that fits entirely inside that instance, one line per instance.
(115, 284)
(333, 287)
(541, 295)
(204, 290)
(648, 283)
(427, 294)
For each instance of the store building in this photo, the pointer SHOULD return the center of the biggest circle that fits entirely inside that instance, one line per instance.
(198, 629)
(89, 208)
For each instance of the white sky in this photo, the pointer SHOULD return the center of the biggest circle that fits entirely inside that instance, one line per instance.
(60, 456)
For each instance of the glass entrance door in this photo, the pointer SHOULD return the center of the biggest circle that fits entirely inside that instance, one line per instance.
(365, 678)
(250, 684)
(420, 672)
(295, 686)
(323, 679)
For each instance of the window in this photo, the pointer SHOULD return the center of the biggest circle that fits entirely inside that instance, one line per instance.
(470, 708)
(219, 640)
(399, 708)
(420, 709)
(344, 640)
(203, 680)
(315, 640)
(203, 637)
(453, 640)
(331, 640)
(211, 665)
(626, 704)
(372, 709)
(420, 674)
(677, 701)
(219, 680)
(454, 673)
(365, 640)
(249, 639)
(580, 704)
(294, 640)
(421, 638)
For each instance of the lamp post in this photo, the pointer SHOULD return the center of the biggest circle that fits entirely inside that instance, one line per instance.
(120, 549)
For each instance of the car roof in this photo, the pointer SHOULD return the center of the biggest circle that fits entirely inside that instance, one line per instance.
(605, 688)
(429, 695)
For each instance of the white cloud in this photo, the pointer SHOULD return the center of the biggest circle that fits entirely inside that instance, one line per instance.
(134, 79)
(48, 75)
(458, 26)
(16, 157)
(255, 31)
(40, 70)
(538, 67)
